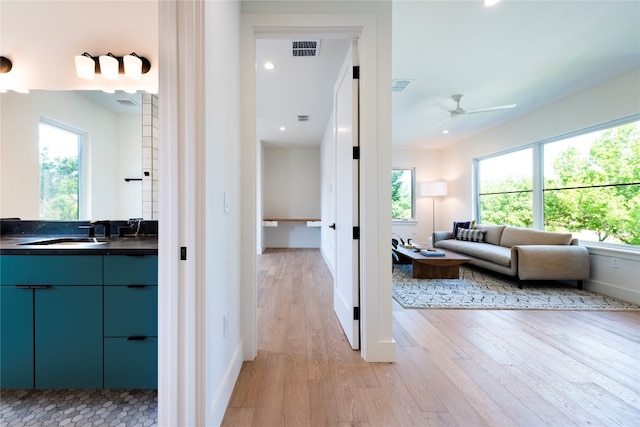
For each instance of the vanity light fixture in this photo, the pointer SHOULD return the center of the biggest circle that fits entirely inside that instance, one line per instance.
(133, 66)
(109, 66)
(85, 66)
(5, 64)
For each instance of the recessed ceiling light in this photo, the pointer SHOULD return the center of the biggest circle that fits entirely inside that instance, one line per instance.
(269, 65)
(445, 131)
(489, 3)
(282, 128)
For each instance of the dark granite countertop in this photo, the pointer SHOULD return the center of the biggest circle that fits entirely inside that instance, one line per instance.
(19, 245)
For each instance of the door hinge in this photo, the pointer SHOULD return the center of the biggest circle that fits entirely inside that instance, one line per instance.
(356, 233)
(356, 72)
(356, 153)
(356, 313)
(183, 253)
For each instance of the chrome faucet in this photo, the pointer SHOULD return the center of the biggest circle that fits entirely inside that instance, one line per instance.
(106, 224)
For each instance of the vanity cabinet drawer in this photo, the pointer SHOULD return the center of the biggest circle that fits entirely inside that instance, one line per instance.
(131, 364)
(50, 270)
(130, 311)
(130, 270)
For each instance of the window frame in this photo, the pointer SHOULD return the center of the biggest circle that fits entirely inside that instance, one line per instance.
(538, 175)
(413, 196)
(82, 159)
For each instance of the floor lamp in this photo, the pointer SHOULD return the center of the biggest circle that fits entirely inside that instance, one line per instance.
(433, 189)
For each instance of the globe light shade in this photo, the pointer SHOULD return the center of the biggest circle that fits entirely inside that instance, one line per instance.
(85, 67)
(109, 66)
(133, 66)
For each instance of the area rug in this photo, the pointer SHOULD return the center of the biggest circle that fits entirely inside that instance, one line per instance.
(480, 289)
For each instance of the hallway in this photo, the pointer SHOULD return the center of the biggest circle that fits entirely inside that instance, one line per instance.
(454, 367)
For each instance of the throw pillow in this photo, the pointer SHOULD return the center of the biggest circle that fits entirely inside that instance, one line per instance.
(470, 235)
(460, 224)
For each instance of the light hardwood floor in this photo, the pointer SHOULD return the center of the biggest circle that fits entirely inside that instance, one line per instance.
(453, 368)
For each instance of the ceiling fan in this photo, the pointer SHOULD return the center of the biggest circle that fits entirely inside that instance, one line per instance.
(459, 111)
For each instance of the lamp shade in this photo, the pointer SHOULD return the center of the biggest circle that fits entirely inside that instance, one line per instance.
(85, 66)
(434, 188)
(109, 66)
(133, 66)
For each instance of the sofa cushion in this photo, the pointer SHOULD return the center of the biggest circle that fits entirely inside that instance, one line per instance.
(470, 235)
(462, 224)
(493, 253)
(512, 236)
(492, 233)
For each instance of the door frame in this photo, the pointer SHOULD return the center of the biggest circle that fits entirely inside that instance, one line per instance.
(377, 344)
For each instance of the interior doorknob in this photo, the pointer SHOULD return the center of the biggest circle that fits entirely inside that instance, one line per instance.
(333, 226)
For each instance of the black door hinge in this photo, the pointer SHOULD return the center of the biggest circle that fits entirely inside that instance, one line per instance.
(356, 233)
(356, 72)
(356, 153)
(183, 253)
(356, 313)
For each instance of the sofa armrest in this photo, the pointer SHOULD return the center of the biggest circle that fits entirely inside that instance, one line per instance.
(441, 235)
(552, 262)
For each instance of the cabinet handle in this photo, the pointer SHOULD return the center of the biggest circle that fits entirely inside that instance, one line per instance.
(33, 286)
(136, 286)
(136, 338)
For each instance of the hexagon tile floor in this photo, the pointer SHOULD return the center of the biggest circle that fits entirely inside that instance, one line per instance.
(75, 408)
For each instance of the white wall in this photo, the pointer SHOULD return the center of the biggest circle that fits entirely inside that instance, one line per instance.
(129, 166)
(617, 98)
(428, 166)
(223, 350)
(291, 190)
(107, 134)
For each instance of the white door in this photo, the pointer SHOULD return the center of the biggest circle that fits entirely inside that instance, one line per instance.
(346, 293)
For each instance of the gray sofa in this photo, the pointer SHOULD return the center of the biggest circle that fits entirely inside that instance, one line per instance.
(520, 252)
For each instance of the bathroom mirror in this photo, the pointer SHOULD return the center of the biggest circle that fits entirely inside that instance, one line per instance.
(116, 160)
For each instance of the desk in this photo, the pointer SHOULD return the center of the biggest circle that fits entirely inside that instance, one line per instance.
(273, 222)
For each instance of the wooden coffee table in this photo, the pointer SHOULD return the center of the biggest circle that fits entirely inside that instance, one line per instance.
(440, 267)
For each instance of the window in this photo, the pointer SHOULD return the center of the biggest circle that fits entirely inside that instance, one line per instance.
(60, 150)
(588, 185)
(402, 194)
(506, 189)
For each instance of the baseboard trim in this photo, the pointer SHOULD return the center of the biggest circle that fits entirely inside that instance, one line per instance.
(220, 402)
(613, 291)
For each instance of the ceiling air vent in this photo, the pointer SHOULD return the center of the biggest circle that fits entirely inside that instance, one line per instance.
(301, 48)
(303, 118)
(126, 102)
(399, 85)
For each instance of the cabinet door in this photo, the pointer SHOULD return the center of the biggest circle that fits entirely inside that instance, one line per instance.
(130, 363)
(68, 337)
(16, 337)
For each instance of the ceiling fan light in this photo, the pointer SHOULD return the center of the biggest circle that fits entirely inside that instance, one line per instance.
(133, 66)
(109, 66)
(85, 66)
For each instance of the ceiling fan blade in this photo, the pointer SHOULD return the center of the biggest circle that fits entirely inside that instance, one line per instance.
(484, 110)
(441, 121)
(444, 107)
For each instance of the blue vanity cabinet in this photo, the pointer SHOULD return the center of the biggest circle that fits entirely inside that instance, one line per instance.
(16, 336)
(55, 302)
(131, 321)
